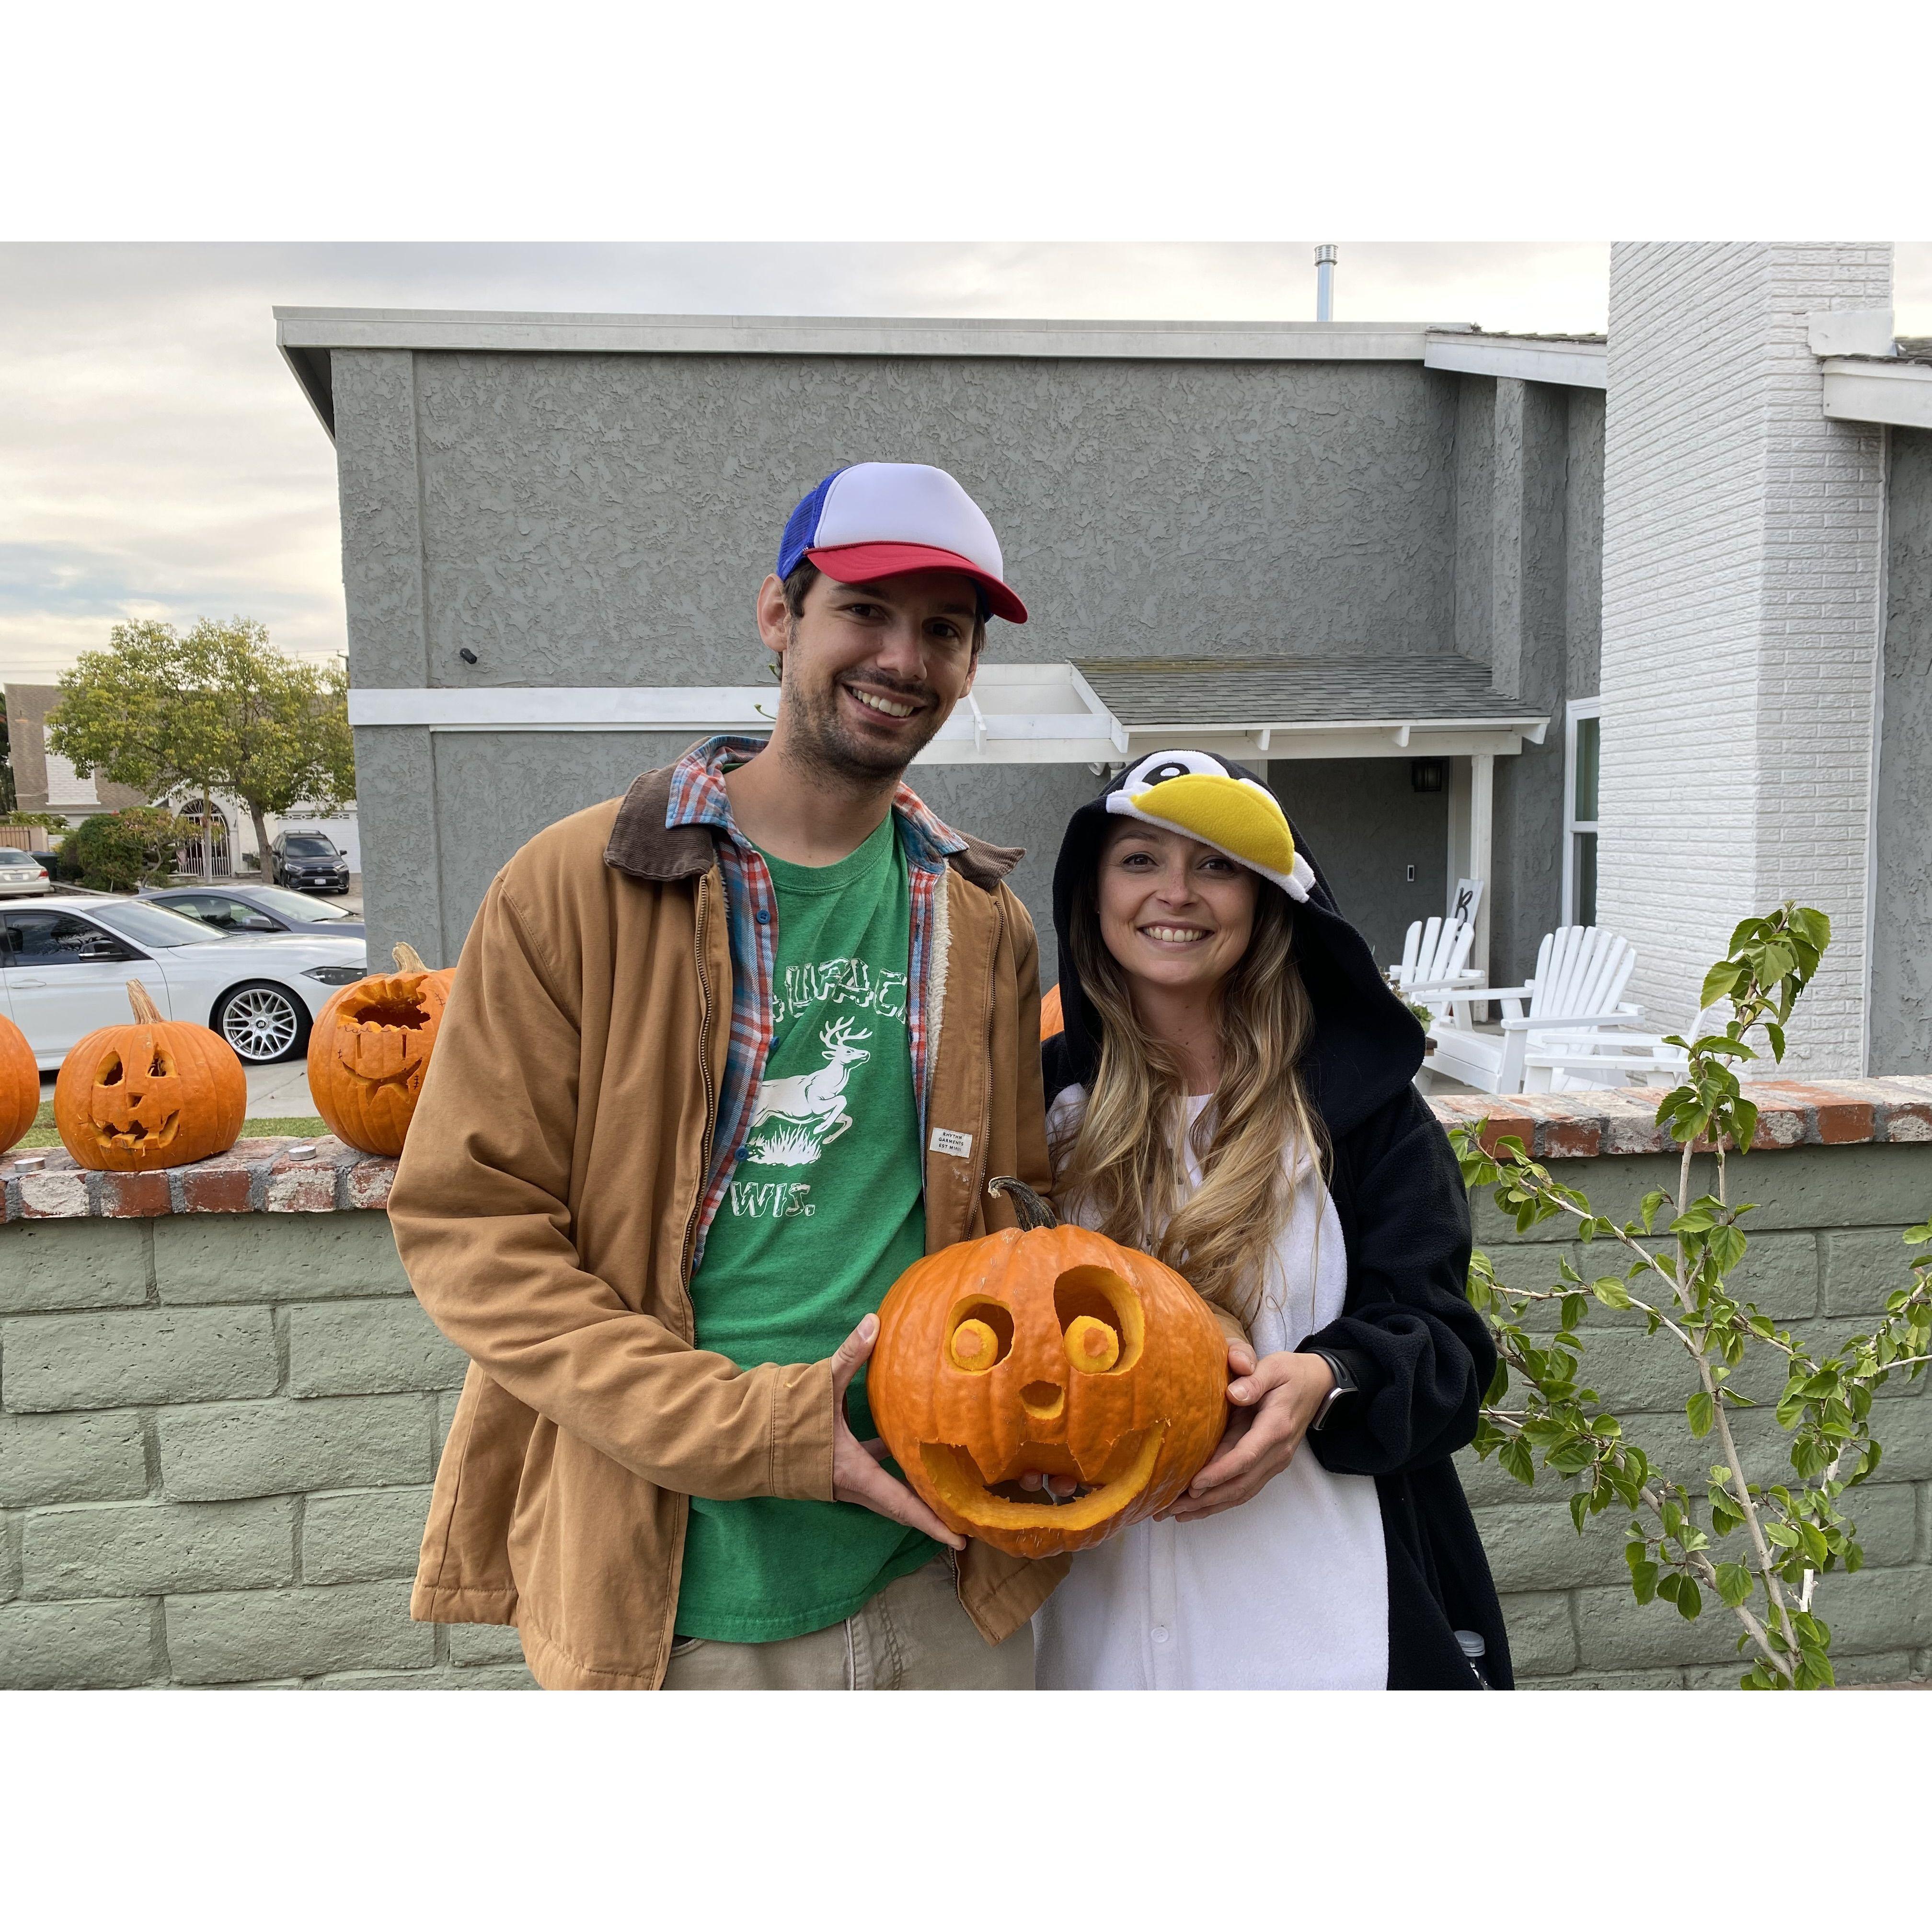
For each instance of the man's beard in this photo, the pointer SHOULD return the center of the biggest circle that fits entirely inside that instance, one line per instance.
(817, 736)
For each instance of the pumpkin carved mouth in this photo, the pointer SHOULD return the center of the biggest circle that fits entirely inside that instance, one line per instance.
(136, 1134)
(1001, 1503)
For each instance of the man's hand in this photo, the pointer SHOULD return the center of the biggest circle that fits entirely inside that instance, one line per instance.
(856, 1476)
(1275, 1400)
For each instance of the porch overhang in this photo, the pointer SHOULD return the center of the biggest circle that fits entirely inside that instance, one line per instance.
(1092, 712)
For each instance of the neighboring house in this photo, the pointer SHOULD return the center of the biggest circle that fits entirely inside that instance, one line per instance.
(45, 781)
(1468, 628)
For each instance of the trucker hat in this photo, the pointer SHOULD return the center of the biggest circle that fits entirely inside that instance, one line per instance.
(876, 520)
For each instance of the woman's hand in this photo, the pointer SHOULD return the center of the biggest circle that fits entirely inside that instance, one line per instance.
(1275, 1400)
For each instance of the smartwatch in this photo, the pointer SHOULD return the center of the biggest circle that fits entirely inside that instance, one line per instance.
(1345, 1385)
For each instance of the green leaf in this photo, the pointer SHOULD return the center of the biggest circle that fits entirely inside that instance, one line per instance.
(1575, 1307)
(1702, 1411)
(1643, 1581)
(1515, 1458)
(1719, 981)
(1579, 1507)
(1734, 1584)
(1726, 1248)
(1689, 1601)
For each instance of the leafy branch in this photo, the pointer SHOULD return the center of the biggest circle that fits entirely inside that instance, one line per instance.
(1682, 1542)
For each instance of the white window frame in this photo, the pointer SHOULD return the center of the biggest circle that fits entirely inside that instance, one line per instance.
(1576, 708)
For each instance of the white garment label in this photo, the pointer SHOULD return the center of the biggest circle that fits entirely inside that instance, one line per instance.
(945, 1141)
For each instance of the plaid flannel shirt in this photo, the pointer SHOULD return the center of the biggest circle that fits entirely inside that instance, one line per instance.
(698, 797)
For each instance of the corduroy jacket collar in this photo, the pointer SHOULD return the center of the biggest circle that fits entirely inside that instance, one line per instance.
(644, 846)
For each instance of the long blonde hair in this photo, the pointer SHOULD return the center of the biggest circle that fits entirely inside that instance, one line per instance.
(1124, 1164)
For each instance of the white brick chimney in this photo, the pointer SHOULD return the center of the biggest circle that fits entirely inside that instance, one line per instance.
(1743, 574)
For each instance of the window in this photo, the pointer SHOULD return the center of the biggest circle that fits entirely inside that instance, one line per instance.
(310, 848)
(41, 939)
(1582, 761)
(150, 925)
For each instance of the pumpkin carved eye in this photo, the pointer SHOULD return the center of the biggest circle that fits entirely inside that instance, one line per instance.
(1101, 1321)
(981, 1336)
(1092, 1346)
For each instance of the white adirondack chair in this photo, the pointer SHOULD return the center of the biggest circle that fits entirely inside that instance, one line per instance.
(1581, 973)
(1605, 1060)
(1434, 964)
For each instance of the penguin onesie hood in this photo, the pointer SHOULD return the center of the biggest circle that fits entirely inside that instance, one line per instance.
(1420, 1355)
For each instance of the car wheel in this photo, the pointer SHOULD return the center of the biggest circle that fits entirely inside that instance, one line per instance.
(263, 1023)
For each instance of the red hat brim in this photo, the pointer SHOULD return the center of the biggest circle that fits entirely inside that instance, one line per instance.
(868, 563)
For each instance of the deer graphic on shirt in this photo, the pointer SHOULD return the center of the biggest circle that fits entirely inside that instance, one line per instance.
(795, 1118)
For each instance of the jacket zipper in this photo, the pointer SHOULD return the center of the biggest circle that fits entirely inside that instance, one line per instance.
(710, 1098)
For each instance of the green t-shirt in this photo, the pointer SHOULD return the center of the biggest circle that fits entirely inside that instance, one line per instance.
(823, 1214)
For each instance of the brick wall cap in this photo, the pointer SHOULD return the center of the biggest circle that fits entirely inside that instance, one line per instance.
(254, 1177)
(259, 1177)
(1623, 1121)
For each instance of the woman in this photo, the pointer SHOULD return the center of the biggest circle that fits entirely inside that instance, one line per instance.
(1231, 1092)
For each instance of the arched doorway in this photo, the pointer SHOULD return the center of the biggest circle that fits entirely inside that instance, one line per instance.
(191, 851)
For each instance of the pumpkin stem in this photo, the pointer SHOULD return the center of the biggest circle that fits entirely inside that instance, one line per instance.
(407, 959)
(1032, 1211)
(142, 1001)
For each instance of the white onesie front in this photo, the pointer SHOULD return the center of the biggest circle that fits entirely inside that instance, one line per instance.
(1288, 1591)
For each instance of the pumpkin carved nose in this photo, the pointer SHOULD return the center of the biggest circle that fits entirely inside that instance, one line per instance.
(1043, 1400)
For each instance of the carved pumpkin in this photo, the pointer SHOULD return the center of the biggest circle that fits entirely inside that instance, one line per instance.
(1050, 1349)
(370, 1049)
(20, 1085)
(157, 1093)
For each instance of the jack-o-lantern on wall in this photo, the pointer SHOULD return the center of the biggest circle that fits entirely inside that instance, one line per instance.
(20, 1085)
(1049, 1348)
(158, 1094)
(370, 1049)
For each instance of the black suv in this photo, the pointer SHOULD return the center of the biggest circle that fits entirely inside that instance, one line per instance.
(308, 861)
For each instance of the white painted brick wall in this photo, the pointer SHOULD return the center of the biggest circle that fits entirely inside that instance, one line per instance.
(1742, 554)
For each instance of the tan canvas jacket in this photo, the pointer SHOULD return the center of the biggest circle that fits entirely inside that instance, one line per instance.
(545, 1208)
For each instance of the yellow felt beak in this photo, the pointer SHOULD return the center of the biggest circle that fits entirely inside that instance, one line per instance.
(1224, 813)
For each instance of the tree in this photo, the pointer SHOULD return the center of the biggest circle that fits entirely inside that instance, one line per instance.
(1760, 1544)
(221, 710)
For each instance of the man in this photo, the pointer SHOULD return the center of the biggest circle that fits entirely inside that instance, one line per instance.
(722, 1058)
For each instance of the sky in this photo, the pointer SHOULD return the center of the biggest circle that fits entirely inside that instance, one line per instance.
(157, 460)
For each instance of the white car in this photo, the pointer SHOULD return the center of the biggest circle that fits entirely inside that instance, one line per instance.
(21, 873)
(65, 966)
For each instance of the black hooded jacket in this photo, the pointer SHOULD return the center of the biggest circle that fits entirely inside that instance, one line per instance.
(1421, 1354)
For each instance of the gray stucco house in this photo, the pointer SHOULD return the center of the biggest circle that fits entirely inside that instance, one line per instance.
(1373, 559)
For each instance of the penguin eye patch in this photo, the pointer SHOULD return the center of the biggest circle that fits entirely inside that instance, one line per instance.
(1158, 766)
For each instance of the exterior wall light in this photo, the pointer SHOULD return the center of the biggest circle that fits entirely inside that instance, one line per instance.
(1425, 774)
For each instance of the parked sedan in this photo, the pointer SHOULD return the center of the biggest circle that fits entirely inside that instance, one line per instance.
(64, 967)
(21, 873)
(231, 908)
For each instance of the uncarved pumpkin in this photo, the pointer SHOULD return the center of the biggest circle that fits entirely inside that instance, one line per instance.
(20, 1085)
(157, 1093)
(1051, 1348)
(1052, 1020)
(370, 1049)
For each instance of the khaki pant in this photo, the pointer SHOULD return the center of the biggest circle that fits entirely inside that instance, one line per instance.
(913, 1635)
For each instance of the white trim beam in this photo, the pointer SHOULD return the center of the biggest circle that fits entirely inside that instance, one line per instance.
(1016, 715)
(1879, 389)
(324, 328)
(1580, 365)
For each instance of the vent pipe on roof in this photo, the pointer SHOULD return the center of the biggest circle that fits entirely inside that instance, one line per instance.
(1324, 282)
